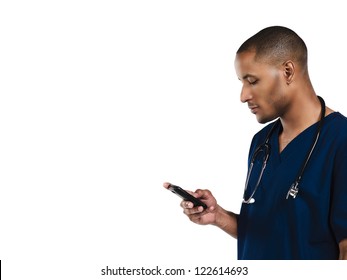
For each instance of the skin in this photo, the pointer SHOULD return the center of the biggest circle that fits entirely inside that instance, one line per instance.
(343, 249)
(270, 90)
(213, 215)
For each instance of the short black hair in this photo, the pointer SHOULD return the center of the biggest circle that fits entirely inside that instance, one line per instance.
(277, 44)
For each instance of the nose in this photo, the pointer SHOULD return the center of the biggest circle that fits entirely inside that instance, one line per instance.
(245, 95)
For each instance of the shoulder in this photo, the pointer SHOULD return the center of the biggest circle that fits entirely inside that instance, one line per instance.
(336, 125)
(334, 133)
(338, 117)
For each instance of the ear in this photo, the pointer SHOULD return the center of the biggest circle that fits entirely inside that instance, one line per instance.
(289, 71)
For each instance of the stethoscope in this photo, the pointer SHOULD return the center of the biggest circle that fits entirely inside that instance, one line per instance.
(265, 149)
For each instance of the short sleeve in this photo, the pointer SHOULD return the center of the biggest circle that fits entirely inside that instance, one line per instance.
(339, 193)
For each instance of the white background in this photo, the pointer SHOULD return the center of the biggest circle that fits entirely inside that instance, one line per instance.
(103, 101)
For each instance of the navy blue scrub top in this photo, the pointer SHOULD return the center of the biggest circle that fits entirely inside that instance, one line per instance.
(311, 225)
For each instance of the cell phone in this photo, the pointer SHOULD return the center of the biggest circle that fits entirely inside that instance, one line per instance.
(186, 196)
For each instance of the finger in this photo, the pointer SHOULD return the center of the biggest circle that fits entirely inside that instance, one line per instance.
(197, 217)
(202, 193)
(193, 211)
(186, 204)
(199, 211)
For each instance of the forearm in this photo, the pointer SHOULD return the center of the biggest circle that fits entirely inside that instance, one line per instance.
(343, 249)
(227, 221)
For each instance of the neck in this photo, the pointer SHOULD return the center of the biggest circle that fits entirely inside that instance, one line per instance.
(301, 115)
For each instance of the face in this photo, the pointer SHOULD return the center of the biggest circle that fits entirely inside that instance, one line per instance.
(263, 86)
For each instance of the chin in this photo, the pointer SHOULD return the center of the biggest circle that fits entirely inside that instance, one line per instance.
(264, 119)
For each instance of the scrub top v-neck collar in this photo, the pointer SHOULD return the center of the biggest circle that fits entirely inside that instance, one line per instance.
(291, 146)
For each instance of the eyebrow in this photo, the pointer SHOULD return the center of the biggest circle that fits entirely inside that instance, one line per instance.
(248, 76)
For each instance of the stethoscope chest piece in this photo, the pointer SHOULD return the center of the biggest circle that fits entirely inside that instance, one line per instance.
(293, 191)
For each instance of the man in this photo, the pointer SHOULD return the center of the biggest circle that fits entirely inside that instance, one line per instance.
(295, 201)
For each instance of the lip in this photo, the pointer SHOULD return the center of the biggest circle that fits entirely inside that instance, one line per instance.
(254, 109)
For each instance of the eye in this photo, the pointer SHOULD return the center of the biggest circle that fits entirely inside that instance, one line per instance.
(252, 82)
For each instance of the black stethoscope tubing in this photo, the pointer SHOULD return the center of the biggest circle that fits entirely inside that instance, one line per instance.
(265, 147)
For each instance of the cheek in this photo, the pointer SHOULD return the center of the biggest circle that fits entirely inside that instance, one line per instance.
(278, 101)
(274, 98)
(276, 91)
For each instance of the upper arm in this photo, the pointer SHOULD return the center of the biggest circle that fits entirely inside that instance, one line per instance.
(339, 200)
